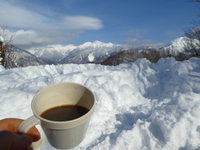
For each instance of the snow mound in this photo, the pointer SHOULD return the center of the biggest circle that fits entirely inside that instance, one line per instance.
(1, 67)
(140, 106)
(1, 39)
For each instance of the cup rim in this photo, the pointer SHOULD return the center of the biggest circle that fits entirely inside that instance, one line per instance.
(70, 123)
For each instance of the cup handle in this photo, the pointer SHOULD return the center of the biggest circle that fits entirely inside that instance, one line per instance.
(26, 125)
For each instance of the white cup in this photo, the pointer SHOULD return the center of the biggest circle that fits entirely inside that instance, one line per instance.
(60, 134)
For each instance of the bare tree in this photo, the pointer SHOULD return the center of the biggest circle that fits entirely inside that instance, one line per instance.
(193, 35)
(5, 45)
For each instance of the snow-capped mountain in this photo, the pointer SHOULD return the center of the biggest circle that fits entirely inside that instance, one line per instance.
(179, 49)
(52, 54)
(180, 46)
(22, 58)
(98, 52)
(177, 46)
(85, 53)
(88, 52)
(91, 52)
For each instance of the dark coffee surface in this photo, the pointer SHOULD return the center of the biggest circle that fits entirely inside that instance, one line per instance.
(64, 113)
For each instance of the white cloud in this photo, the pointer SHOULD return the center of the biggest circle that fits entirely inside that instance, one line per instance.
(136, 33)
(143, 43)
(18, 17)
(82, 23)
(36, 29)
(26, 39)
(30, 38)
(136, 39)
(131, 40)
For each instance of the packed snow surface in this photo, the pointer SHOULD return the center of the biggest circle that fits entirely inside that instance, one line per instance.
(140, 106)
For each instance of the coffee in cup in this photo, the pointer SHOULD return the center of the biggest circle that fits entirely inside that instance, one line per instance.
(63, 110)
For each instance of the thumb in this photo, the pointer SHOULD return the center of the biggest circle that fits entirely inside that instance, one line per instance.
(12, 141)
(23, 141)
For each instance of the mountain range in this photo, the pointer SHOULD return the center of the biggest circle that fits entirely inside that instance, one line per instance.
(88, 52)
(96, 52)
(179, 49)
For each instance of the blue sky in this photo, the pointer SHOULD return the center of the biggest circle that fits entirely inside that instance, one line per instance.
(134, 22)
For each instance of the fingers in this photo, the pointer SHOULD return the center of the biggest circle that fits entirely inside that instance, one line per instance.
(11, 124)
(34, 133)
(12, 141)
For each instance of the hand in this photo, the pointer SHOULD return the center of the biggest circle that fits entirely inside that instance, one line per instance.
(11, 140)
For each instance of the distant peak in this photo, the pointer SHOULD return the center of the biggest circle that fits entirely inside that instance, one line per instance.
(180, 39)
(179, 45)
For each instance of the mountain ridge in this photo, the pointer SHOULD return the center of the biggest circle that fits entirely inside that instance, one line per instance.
(97, 52)
(179, 49)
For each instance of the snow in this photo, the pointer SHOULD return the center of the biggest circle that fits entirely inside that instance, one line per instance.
(51, 51)
(140, 106)
(1, 68)
(57, 47)
(1, 39)
(91, 57)
(64, 54)
(179, 45)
